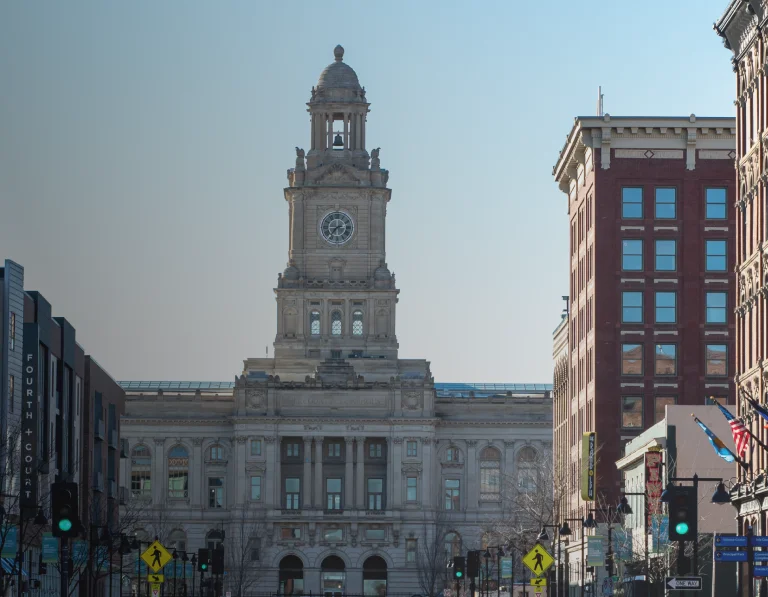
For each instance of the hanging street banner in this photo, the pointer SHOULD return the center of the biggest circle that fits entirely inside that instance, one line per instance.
(506, 567)
(50, 549)
(595, 551)
(29, 413)
(660, 532)
(79, 552)
(588, 447)
(11, 543)
(622, 545)
(653, 483)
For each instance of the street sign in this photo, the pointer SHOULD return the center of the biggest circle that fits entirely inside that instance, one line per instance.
(730, 556)
(761, 556)
(760, 541)
(683, 583)
(760, 571)
(538, 560)
(156, 590)
(538, 594)
(506, 567)
(156, 556)
(539, 582)
(608, 587)
(156, 579)
(737, 541)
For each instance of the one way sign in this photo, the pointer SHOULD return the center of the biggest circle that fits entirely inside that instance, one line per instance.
(683, 583)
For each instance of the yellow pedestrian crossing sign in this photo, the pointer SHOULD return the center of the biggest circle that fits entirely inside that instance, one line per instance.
(539, 582)
(538, 560)
(156, 578)
(156, 556)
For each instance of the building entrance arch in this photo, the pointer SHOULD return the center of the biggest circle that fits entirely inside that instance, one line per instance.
(291, 576)
(333, 576)
(375, 577)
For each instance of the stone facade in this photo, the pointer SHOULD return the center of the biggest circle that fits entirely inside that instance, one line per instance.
(335, 454)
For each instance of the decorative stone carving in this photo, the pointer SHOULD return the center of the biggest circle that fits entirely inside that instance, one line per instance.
(427, 441)
(241, 439)
(471, 443)
(355, 427)
(313, 428)
(413, 400)
(270, 439)
(254, 398)
(509, 443)
(159, 442)
(197, 441)
(397, 440)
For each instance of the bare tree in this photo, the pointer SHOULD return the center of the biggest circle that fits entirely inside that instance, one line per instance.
(432, 557)
(242, 551)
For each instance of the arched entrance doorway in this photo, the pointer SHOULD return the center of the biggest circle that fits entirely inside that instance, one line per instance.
(291, 576)
(333, 576)
(375, 577)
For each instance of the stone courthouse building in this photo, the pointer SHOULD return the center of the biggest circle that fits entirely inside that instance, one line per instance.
(334, 465)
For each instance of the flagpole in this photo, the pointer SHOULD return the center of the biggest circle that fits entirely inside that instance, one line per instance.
(743, 464)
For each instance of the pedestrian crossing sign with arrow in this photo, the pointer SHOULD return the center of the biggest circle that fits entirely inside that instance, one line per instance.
(538, 582)
(538, 560)
(156, 556)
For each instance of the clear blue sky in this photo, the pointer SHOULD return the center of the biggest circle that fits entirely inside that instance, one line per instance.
(144, 146)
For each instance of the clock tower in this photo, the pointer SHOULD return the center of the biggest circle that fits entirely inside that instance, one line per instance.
(336, 298)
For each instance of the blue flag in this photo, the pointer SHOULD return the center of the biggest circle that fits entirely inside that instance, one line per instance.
(720, 448)
(761, 410)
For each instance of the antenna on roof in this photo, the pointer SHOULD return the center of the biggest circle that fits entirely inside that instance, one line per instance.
(600, 101)
(266, 351)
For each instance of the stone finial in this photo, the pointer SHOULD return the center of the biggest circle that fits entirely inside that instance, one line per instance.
(338, 53)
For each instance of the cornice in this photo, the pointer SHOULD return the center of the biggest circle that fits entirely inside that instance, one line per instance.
(291, 421)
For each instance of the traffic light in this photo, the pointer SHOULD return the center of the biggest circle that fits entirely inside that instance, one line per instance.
(203, 559)
(458, 567)
(473, 558)
(64, 508)
(217, 561)
(683, 514)
(42, 567)
(609, 565)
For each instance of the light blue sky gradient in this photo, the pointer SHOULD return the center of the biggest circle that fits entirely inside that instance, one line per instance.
(144, 148)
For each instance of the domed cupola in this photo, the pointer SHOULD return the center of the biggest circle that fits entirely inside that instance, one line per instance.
(338, 82)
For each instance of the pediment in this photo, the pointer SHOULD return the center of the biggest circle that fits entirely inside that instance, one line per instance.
(338, 174)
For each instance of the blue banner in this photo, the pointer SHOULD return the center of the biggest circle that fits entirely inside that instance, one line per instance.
(761, 556)
(50, 549)
(761, 571)
(730, 556)
(622, 544)
(660, 532)
(79, 553)
(730, 541)
(760, 541)
(11, 543)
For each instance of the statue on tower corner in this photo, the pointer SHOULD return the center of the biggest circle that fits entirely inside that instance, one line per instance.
(375, 162)
(299, 159)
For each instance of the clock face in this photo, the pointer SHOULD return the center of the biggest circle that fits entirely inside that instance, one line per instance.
(337, 227)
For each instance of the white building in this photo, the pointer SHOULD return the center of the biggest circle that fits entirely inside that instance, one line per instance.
(334, 465)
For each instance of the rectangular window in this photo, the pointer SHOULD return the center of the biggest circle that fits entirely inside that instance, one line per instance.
(411, 489)
(333, 535)
(410, 449)
(11, 391)
(333, 494)
(716, 209)
(632, 203)
(13, 331)
(715, 255)
(666, 359)
(716, 360)
(255, 447)
(661, 402)
(631, 412)
(290, 533)
(215, 492)
(334, 450)
(375, 494)
(375, 534)
(451, 455)
(411, 547)
(631, 359)
(452, 494)
(375, 450)
(256, 488)
(716, 307)
(292, 493)
(631, 307)
(666, 255)
(666, 307)
(632, 255)
(666, 203)
(292, 450)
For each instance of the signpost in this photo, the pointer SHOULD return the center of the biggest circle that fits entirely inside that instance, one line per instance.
(730, 556)
(156, 590)
(608, 587)
(156, 556)
(538, 560)
(683, 583)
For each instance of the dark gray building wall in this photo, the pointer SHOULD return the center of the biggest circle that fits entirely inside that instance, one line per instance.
(12, 316)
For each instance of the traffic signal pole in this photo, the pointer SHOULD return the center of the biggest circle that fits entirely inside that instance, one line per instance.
(63, 568)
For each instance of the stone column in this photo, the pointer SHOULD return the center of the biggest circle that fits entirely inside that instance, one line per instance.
(349, 472)
(272, 473)
(360, 474)
(471, 482)
(297, 225)
(397, 473)
(159, 479)
(196, 468)
(347, 137)
(237, 468)
(509, 458)
(319, 493)
(329, 124)
(306, 484)
(427, 477)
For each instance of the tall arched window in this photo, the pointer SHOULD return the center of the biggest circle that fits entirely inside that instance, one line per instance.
(452, 542)
(314, 323)
(178, 473)
(141, 472)
(527, 475)
(336, 323)
(357, 323)
(177, 540)
(490, 475)
(213, 540)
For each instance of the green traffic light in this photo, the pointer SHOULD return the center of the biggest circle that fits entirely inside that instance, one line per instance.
(204, 566)
(459, 574)
(681, 528)
(65, 524)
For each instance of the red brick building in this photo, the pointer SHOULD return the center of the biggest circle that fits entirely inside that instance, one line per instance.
(652, 253)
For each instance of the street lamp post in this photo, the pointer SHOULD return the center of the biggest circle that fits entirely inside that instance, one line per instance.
(175, 556)
(124, 550)
(194, 565)
(586, 523)
(544, 536)
(487, 556)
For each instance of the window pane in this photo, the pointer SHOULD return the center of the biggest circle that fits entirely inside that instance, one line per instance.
(357, 323)
(631, 202)
(255, 488)
(632, 307)
(632, 255)
(631, 412)
(314, 323)
(666, 203)
(333, 534)
(631, 359)
(666, 255)
(716, 363)
(716, 209)
(666, 307)
(375, 485)
(716, 250)
(333, 485)
(336, 323)
(666, 359)
(661, 402)
(716, 307)
(291, 485)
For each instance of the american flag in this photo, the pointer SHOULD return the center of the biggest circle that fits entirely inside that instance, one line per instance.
(740, 432)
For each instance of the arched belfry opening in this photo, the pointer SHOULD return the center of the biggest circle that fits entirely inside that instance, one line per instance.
(291, 576)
